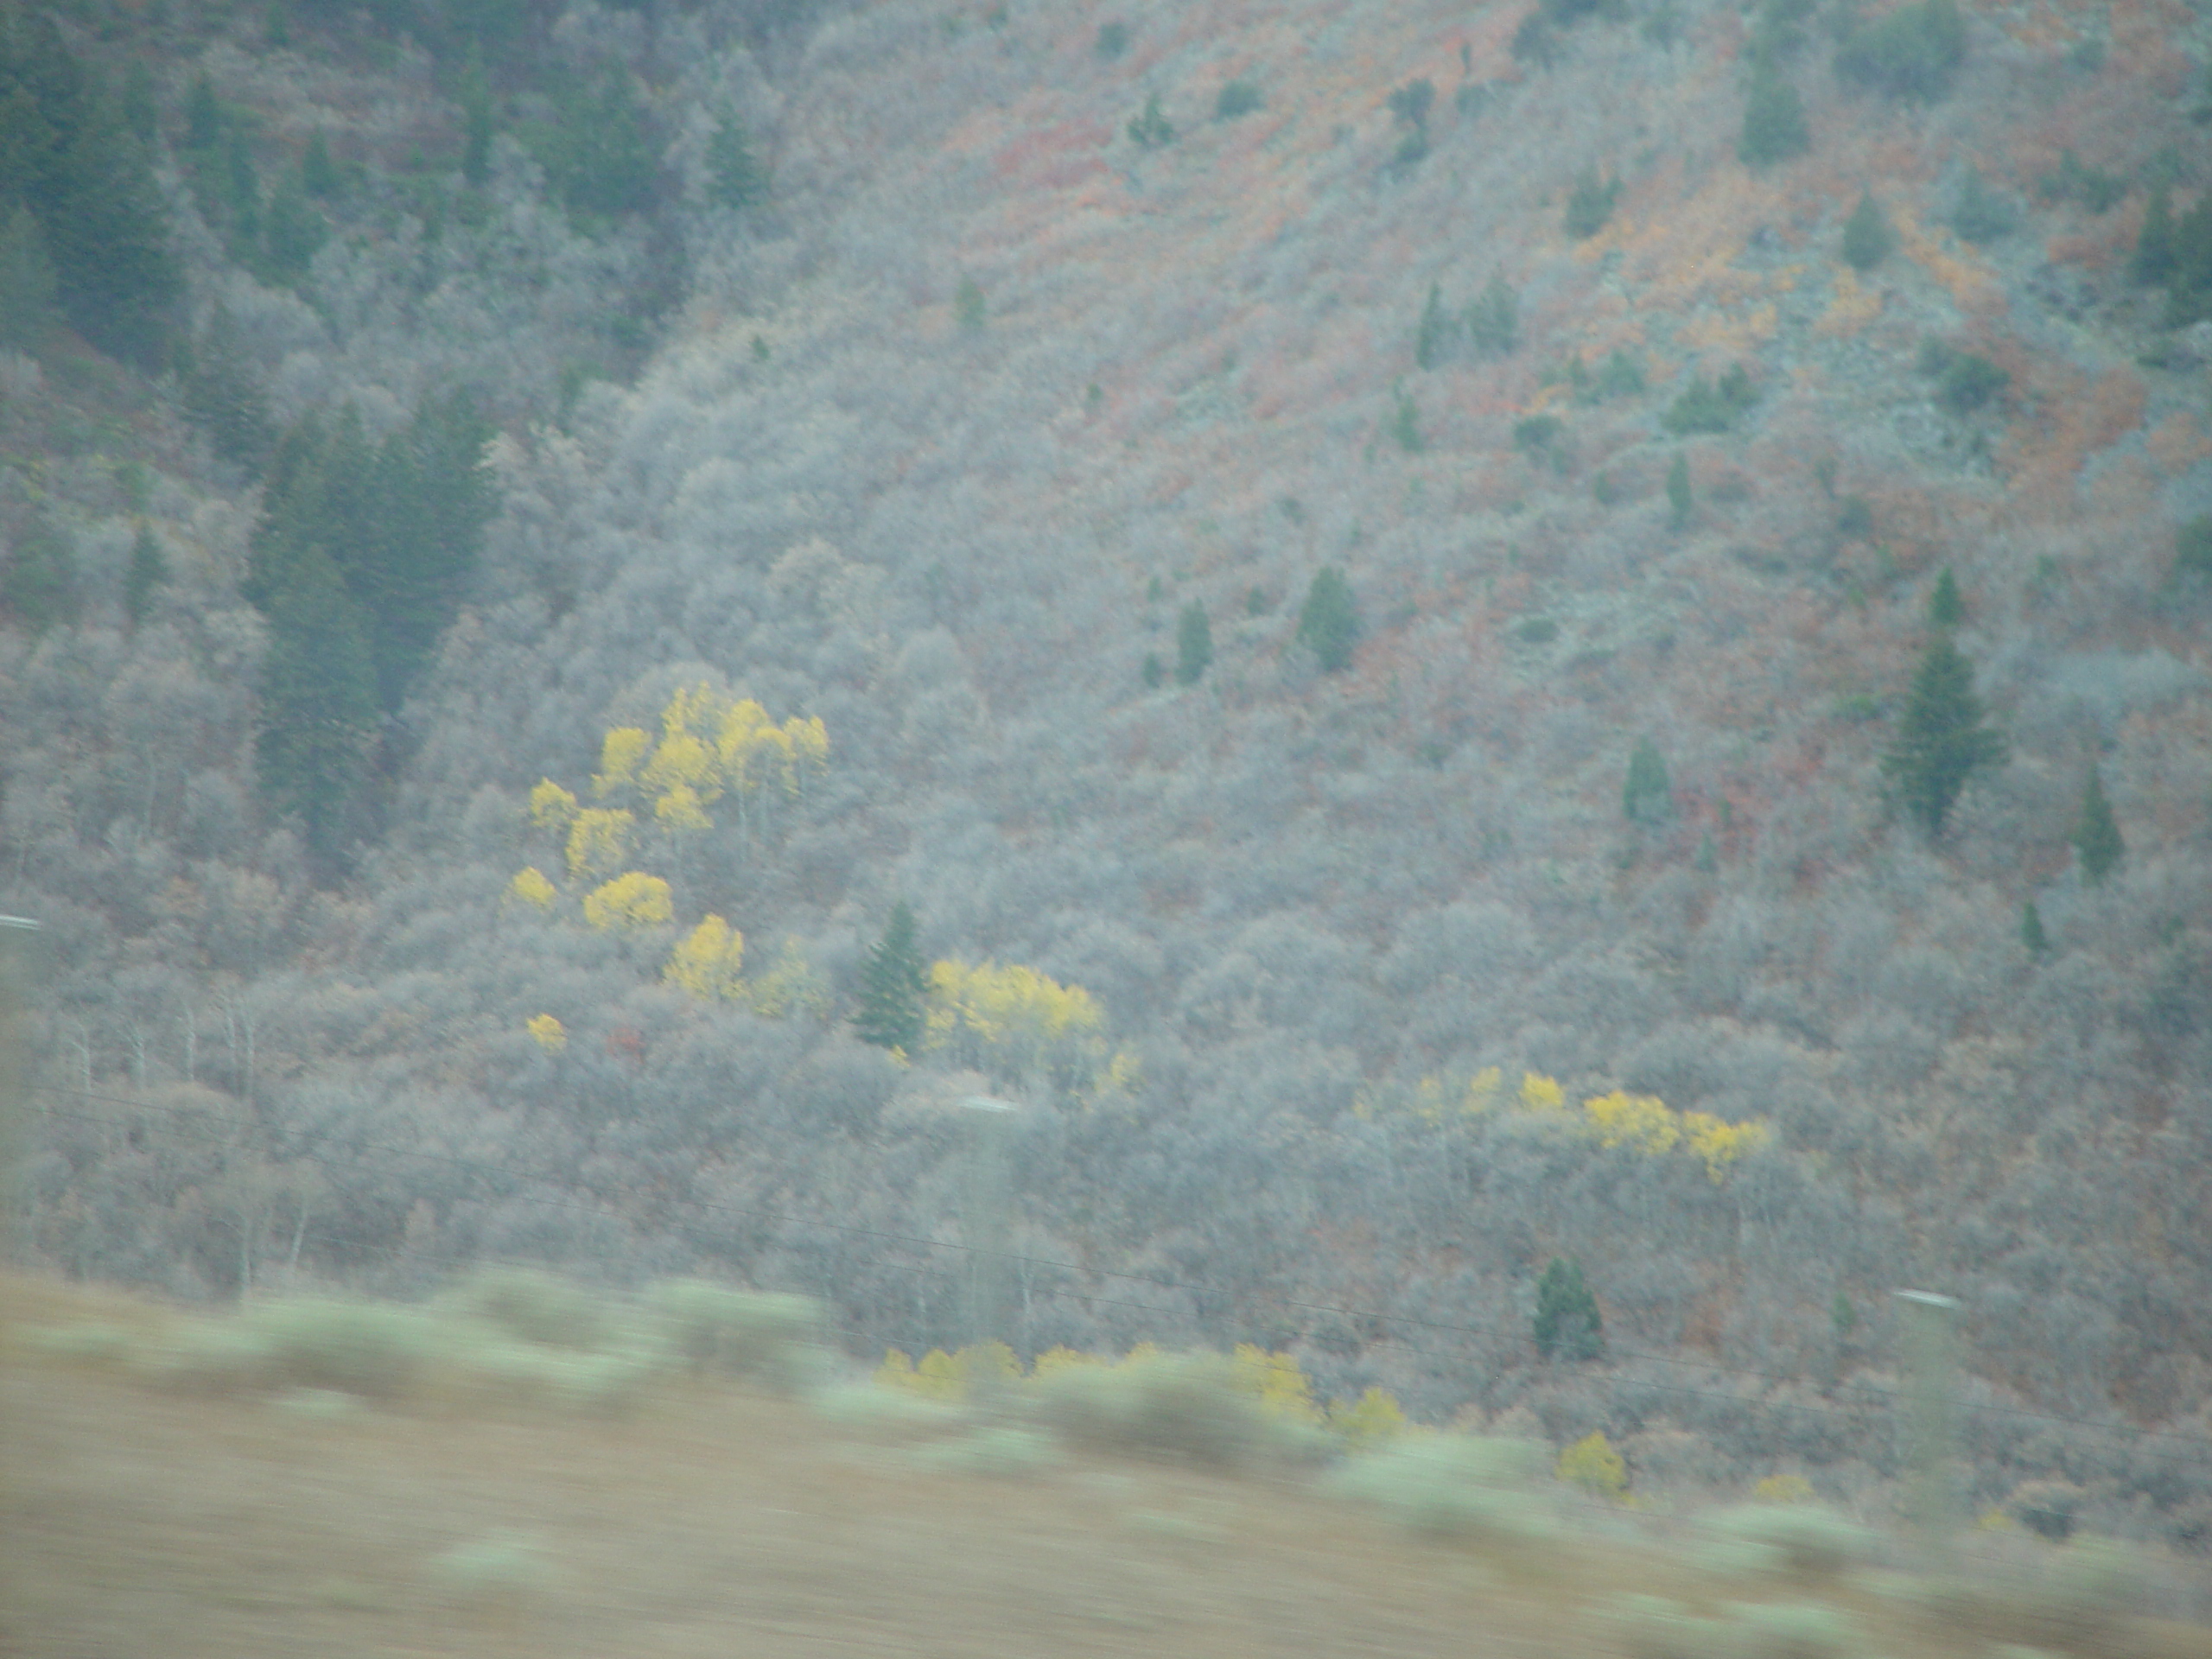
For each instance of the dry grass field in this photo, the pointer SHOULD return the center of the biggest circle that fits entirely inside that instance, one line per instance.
(716, 1521)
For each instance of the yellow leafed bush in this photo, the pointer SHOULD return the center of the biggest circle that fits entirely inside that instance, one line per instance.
(1276, 1381)
(552, 808)
(1721, 1144)
(1592, 1464)
(1541, 1093)
(599, 840)
(707, 961)
(531, 887)
(1372, 1420)
(1013, 1020)
(634, 899)
(549, 1033)
(1641, 1122)
(620, 754)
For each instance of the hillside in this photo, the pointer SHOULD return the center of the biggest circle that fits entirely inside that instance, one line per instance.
(923, 372)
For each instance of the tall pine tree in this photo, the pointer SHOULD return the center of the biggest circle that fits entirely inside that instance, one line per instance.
(2096, 835)
(1568, 1324)
(893, 983)
(1328, 623)
(1941, 739)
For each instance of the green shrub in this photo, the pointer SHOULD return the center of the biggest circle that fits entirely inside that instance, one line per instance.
(713, 1328)
(2193, 548)
(1913, 51)
(1620, 376)
(1964, 381)
(532, 1305)
(1867, 238)
(1655, 1627)
(1237, 98)
(1113, 40)
(1800, 1539)
(1589, 204)
(1151, 129)
(1328, 623)
(1794, 1631)
(1981, 215)
(1004, 1451)
(1535, 41)
(1452, 1485)
(2085, 187)
(1179, 1407)
(1710, 406)
(1855, 518)
(1536, 435)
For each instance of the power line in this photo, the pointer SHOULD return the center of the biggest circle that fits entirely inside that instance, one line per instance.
(1154, 1281)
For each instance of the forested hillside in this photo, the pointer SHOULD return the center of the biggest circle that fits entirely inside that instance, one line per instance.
(1450, 639)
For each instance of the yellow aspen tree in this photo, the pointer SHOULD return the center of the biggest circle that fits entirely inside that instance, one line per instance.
(531, 887)
(1592, 1464)
(552, 808)
(1012, 1020)
(1276, 1381)
(620, 753)
(1721, 1144)
(1641, 1122)
(794, 985)
(1541, 1094)
(1375, 1419)
(708, 961)
(631, 900)
(548, 1033)
(599, 840)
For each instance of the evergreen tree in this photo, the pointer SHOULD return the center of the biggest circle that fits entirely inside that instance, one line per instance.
(1568, 1323)
(38, 582)
(2155, 260)
(216, 380)
(318, 173)
(2096, 835)
(893, 981)
(1941, 739)
(1945, 608)
(1151, 131)
(1867, 237)
(1328, 623)
(318, 699)
(1648, 796)
(1773, 120)
(1494, 319)
(735, 177)
(1678, 490)
(27, 282)
(1434, 338)
(2032, 934)
(477, 125)
(146, 571)
(1193, 643)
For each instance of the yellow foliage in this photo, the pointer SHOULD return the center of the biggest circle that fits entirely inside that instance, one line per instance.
(620, 752)
(632, 900)
(1276, 1381)
(794, 985)
(1053, 1361)
(599, 840)
(551, 807)
(1013, 1018)
(1124, 1075)
(550, 1035)
(1721, 1144)
(1784, 1488)
(897, 1371)
(681, 809)
(1641, 1122)
(683, 762)
(941, 1376)
(1592, 1464)
(1373, 1420)
(1482, 1091)
(1541, 1093)
(1995, 1520)
(531, 887)
(707, 961)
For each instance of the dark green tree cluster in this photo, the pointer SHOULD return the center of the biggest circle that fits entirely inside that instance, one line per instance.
(1911, 53)
(1774, 118)
(1568, 1324)
(1151, 129)
(2096, 836)
(216, 379)
(2176, 254)
(1490, 324)
(1964, 380)
(38, 581)
(1411, 104)
(596, 151)
(1237, 99)
(893, 981)
(1589, 204)
(1193, 645)
(1982, 215)
(1328, 623)
(2084, 187)
(362, 557)
(1711, 406)
(275, 234)
(736, 177)
(72, 166)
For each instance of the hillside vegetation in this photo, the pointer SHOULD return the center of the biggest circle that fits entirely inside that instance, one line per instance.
(1478, 643)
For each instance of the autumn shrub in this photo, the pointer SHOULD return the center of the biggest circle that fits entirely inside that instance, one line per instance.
(1452, 1485)
(1592, 1466)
